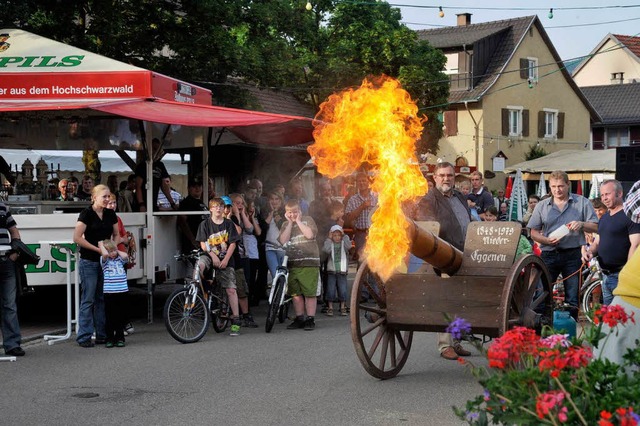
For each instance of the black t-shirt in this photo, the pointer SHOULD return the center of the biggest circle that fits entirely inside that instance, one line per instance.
(239, 254)
(97, 229)
(614, 246)
(159, 172)
(190, 204)
(218, 237)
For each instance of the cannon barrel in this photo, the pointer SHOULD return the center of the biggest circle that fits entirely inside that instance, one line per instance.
(434, 250)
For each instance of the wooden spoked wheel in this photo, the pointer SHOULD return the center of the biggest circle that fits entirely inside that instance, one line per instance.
(381, 349)
(527, 299)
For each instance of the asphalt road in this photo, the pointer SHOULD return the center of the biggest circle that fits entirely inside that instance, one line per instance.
(287, 377)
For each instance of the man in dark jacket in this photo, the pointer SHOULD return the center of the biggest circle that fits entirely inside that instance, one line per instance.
(10, 328)
(447, 206)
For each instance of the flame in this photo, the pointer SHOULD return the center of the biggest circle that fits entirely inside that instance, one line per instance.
(375, 126)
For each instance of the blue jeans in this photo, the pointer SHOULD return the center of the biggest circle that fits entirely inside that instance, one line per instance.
(609, 283)
(566, 263)
(92, 316)
(10, 328)
(338, 281)
(274, 259)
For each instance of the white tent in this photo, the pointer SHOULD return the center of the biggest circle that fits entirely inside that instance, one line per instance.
(571, 161)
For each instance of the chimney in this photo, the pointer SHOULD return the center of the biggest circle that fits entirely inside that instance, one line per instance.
(464, 19)
(617, 78)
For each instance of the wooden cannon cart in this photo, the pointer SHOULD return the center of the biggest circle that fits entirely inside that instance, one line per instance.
(485, 285)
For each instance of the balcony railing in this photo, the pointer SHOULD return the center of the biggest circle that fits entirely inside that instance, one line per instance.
(461, 81)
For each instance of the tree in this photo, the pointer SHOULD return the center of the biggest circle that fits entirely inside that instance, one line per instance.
(370, 39)
(270, 43)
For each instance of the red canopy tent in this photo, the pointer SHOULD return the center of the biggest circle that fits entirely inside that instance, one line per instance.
(39, 74)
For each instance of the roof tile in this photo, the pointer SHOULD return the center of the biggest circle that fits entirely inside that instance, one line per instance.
(615, 103)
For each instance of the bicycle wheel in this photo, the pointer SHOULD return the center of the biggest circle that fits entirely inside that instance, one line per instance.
(186, 316)
(221, 311)
(591, 297)
(274, 306)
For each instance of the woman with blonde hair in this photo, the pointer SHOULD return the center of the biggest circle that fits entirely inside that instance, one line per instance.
(95, 223)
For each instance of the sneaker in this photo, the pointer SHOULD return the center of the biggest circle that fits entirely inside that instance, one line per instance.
(296, 324)
(120, 344)
(128, 329)
(309, 324)
(86, 344)
(101, 341)
(17, 351)
(249, 322)
(108, 345)
(235, 330)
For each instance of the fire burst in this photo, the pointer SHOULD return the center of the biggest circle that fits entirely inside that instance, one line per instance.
(375, 127)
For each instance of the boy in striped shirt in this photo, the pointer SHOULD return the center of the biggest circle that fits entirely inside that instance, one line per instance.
(113, 262)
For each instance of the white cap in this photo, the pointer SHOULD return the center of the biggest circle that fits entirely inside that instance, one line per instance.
(335, 228)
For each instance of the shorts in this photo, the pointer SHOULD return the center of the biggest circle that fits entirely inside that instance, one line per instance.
(304, 281)
(241, 284)
(226, 277)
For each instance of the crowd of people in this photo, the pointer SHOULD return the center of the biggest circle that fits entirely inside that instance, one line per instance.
(245, 236)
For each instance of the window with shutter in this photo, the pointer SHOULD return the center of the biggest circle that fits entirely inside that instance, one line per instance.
(512, 121)
(548, 123)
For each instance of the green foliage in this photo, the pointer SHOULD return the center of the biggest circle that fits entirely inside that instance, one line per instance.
(534, 152)
(270, 43)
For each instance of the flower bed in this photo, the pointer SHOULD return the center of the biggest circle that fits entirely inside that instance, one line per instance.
(552, 379)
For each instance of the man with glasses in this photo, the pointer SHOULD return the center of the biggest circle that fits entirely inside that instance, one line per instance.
(448, 207)
(481, 198)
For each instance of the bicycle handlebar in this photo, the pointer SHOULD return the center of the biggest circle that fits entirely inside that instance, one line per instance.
(192, 255)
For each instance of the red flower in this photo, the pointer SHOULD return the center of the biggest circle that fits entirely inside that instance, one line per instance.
(556, 360)
(509, 349)
(613, 315)
(547, 401)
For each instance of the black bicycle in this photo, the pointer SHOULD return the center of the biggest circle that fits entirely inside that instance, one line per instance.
(188, 310)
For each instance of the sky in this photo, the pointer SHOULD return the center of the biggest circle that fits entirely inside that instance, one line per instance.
(574, 33)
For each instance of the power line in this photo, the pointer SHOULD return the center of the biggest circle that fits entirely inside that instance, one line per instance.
(417, 6)
(546, 27)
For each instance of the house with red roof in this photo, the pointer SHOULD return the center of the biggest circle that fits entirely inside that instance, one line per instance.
(615, 60)
(610, 79)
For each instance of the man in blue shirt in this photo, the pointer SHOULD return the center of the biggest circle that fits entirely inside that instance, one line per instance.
(562, 255)
(481, 199)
